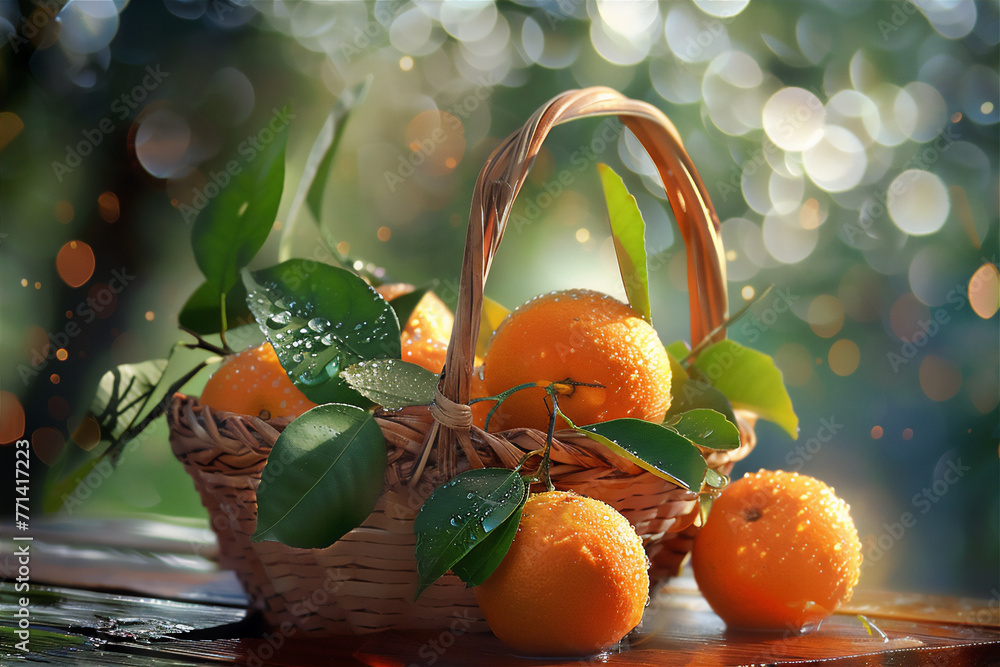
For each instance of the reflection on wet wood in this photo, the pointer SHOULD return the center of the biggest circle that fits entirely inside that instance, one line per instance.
(178, 611)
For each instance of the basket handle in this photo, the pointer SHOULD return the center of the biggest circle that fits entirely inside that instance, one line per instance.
(503, 175)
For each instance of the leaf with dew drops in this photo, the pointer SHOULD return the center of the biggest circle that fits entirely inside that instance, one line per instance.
(321, 319)
(458, 517)
(392, 383)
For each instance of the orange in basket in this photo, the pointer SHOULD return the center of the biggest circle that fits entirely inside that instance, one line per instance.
(424, 339)
(586, 337)
(254, 383)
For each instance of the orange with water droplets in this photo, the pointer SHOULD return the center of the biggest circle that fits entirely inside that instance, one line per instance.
(779, 551)
(424, 339)
(574, 582)
(583, 336)
(253, 382)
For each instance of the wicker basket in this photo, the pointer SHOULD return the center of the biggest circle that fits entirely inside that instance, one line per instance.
(366, 581)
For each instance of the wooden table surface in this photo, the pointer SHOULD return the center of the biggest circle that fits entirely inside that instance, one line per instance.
(131, 592)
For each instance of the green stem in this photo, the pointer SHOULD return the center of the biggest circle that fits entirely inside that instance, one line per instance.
(500, 398)
(225, 324)
(728, 322)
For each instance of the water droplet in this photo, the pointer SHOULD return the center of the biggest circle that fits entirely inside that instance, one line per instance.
(297, 357)
(318, 324)
(279, 319)
(327, 339)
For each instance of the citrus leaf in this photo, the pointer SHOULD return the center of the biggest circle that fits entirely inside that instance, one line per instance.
(236, 222)
(322, 478)
(706, 428)
(392, 383)
(490, 318)
(750, 380)
(321, 319)
(201, 312)
(316, 174)
(690, 394)
(459, 514)
(123, 393)
(652, 447)
(477, 565)
(405, 304)
(628, 231)
(336, 124)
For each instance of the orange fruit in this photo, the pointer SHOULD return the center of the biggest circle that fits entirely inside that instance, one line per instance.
(253, 382)
(584, 336)
(425, 337)
(574, 582)
(779, 551)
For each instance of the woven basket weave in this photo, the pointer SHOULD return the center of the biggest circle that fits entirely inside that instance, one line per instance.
(367, 580)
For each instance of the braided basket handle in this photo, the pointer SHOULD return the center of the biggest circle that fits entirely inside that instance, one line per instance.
(503, 175)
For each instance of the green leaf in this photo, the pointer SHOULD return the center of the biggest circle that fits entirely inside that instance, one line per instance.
(316, 174)
(691, 394)
(233, 227)
(628, 231)
(392, 383)
(707, 428)
(335, 125)
(69, 470)
(123, 393)
(477, 565)
(322, 478)
(652, 447)
(322, 319)
(405, 304)
(459, 514)
(750, 380)
(201, 313)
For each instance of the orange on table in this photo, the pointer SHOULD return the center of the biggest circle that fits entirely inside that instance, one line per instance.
(253, 382)
(779, 551)
(574, 582)
(425, 337)
(580, 335)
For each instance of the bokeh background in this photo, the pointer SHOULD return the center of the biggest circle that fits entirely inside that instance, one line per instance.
(850, 149)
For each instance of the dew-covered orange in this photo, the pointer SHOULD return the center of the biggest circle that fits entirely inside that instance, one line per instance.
(574, 582)
(253, 382)
(583, 336)
(779, 551)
